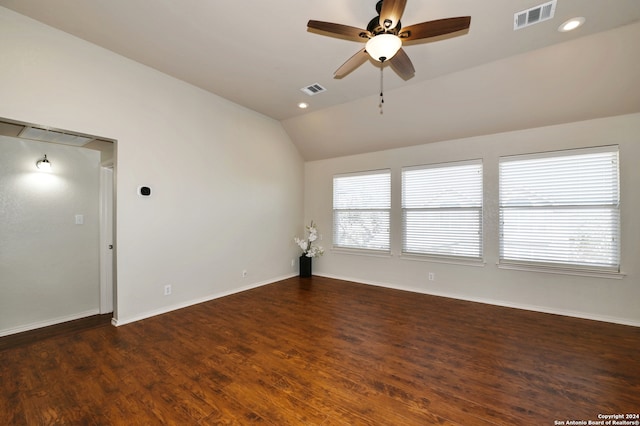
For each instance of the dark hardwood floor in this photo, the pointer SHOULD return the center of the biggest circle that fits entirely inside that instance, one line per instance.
(318, 351)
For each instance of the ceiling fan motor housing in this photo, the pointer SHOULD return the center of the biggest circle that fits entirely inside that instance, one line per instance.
(375, 28)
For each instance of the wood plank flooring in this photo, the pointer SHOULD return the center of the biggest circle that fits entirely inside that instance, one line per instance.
(317, 351)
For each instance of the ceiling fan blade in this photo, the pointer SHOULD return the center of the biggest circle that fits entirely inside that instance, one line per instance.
(391, 13)
(435, 28)
(339, 29)
(352, 63)
(401, 63)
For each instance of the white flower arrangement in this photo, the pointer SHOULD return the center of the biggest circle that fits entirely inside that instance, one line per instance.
(307, 246)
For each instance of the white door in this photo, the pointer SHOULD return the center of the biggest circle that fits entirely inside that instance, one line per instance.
(106, 240)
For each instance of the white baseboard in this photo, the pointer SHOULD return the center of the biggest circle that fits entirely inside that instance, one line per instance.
(144, 315)
(534, 308)
(46, 323)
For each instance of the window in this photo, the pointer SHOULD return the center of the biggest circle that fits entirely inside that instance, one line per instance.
(561, 208)
(442, 209)
(361, 210)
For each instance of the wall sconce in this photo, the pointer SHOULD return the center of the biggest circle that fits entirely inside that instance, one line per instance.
(43, 164)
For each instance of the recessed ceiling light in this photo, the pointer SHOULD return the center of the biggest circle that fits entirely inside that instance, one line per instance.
(303, 105)
(571, 24)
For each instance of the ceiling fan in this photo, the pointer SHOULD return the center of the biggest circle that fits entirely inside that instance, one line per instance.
(384, 36)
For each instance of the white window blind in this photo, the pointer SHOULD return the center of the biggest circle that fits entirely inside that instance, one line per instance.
(362, 210)
(442, 209)
(561, 208)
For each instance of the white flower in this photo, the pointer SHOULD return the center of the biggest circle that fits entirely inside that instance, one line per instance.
(301, 243)
(315, 251)
(308, 249)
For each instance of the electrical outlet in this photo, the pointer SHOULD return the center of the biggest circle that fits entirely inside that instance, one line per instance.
(244, 273)
(167, 290)
(432, 276)
(293, 263)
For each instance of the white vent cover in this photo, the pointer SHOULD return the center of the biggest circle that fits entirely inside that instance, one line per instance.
(313, 89)
(45, 135)
(534, 15)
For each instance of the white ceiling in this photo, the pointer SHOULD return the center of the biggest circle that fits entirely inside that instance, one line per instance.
(259, 54)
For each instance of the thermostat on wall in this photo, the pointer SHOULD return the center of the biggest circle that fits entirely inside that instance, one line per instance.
(144, 191)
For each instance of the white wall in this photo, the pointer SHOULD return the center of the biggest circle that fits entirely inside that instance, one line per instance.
(596, 298)
(49, 265)
(227, 182)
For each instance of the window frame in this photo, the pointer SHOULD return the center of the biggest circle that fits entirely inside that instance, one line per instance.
(557, 265)
(476, 207)
(385, 249)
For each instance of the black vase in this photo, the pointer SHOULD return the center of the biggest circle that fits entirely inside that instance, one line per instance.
(305, 266)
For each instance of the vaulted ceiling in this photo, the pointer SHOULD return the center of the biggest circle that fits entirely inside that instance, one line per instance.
(490, 79)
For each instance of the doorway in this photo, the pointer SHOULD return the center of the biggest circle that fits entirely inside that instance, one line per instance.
(85, 213)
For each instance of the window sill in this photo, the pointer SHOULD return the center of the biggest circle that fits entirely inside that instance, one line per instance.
(448, 260)
(361, 252)
(561, 271)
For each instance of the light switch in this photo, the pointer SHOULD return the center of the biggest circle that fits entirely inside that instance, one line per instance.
(79, 219)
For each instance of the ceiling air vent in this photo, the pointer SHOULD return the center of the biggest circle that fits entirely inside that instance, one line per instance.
(45, 135)
(313, 89)
(534, 15)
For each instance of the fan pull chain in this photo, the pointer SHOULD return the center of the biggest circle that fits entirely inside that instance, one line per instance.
(381, 90)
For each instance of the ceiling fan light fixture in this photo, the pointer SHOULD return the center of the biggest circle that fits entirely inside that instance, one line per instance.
(383, 46)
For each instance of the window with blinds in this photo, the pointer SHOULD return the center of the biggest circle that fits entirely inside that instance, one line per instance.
(561, 209)
(442, 209)
(362, 210)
